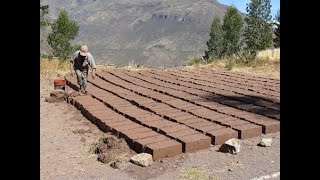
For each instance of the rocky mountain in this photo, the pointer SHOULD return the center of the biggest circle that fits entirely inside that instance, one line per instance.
(158, 33)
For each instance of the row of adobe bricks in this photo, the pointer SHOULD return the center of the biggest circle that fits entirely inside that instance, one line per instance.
(122, 79)
(211, 87)
(229, 80)
(177, 107)
(234, 100)
(150, 121)
(244, 128)
(217, 90)
(138, 137)
(142, 131)
(128, 102)
(243, 81)
(272, 113)
(214, 82)
(216, 79)
(228, 74)
(251, 78)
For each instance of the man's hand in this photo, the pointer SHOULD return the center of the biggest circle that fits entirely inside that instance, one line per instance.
(93, 75)
(72, 73)
(71, 69)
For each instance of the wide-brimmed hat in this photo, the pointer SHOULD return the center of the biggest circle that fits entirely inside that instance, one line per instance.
(84, 50)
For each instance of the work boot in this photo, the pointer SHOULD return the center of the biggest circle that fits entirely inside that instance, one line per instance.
(82, 91)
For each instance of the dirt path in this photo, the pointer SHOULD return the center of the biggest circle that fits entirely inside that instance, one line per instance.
(65, 137)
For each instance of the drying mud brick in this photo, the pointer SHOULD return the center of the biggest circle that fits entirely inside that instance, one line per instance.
(235, 123)
(131, 138)
(195, 142)
(161, 123)
(185, 132)
(175, 128)
(271, 126)
(212, 127)
(139, 144)
(248, 131)
(126, 133)
(163, 149)
(219, 136)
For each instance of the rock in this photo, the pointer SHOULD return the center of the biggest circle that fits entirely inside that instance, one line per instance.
(142, 159)
(265, 142)
(231, 146)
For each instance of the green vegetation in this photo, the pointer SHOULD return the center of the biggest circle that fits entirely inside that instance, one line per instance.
(232, 26)
(276, 40)
(215, 43)
(258, 32)
(43, 11)
(63, 31)
(230, 64)
(236, 44)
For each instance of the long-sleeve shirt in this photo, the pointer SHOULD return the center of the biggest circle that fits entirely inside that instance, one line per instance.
(80, 62)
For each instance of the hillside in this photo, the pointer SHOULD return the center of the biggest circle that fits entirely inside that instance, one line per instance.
(156, 33)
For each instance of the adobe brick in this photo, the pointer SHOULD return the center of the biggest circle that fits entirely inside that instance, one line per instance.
(248, 131)
(164, 149)
(220, 136)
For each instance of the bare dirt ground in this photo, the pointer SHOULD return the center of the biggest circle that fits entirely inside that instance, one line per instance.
(66, 137)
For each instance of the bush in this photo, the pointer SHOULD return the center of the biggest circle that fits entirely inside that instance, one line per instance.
(194, 61)
(230, 64)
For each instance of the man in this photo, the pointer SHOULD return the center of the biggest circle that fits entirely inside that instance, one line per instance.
(80, 62)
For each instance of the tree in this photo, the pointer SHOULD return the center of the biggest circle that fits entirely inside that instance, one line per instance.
(258, 32)
(215, 42)
(232, 28)
(43, 11)
(63, 31)
(276, 40)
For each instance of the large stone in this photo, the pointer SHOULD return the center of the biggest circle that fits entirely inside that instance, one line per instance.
(142, 159)
(231, 146)
(265, 142)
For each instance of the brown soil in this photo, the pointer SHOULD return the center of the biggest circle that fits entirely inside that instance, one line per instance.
(66, 138)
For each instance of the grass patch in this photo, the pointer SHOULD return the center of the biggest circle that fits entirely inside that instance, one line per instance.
(230, 64)
(196, 173)
(53, 67)
(194, 61)
(266, 64)
(50, 68)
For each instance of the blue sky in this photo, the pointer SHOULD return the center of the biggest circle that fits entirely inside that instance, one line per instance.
(242, 4)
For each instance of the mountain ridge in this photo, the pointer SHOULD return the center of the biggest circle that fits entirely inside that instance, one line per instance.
(155, 33)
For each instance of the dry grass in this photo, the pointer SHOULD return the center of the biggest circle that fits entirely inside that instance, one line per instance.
(132, 66)
(270, 54)
(267, 64)
(53, 68)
